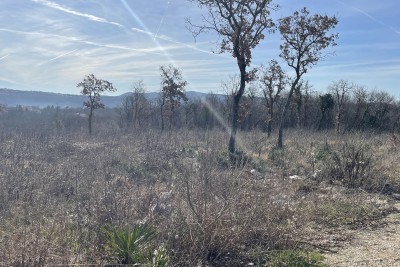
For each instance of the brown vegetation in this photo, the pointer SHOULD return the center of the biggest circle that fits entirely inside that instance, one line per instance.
(58, 193)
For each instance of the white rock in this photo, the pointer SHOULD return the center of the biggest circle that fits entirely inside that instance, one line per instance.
(296, 177)
(256, 174)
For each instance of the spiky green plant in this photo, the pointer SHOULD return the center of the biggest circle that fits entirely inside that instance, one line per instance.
(130, 246)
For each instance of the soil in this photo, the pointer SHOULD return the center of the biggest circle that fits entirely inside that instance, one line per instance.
(378, 245)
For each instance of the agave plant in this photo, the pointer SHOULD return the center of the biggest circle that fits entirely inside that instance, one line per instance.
(131, 246)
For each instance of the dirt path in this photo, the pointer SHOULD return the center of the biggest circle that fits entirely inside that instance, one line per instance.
(377, 247)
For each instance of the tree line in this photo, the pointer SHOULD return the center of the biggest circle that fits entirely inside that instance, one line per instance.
(343, 107)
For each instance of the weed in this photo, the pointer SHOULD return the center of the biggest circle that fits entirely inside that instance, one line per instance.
(345, 212)
(295, 258)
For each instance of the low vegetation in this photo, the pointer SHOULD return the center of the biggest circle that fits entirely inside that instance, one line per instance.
(175, 199)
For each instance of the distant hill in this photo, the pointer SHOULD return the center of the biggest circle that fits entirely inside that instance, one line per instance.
(12, 98)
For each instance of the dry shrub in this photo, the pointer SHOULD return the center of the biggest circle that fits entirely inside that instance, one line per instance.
(222, 216)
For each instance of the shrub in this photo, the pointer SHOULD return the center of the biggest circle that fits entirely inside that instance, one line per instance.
(353, 164)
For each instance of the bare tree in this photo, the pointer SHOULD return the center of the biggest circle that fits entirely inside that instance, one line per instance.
(230, 87)
(92, 88)
(307, 97)
(139, 103)
(360, 99)
(240, 25)
(341, 91)
(380, 111)
(134, 105)
(304, 37)
(172, 92)
(273, 80)
(126, 111)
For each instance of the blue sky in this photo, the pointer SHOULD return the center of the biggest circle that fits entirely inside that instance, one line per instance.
(50, 45)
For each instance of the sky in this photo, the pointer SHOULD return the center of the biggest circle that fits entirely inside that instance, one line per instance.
(50, 45)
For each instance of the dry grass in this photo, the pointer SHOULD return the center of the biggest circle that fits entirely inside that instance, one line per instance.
(57, 194)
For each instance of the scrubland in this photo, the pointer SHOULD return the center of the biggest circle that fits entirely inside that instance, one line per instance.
(176, 199)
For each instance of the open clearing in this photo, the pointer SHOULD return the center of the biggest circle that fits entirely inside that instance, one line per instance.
(371, 247)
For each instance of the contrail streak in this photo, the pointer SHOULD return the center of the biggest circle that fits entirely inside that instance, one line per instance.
(171, 40)
(76, 13)
(156, 37)
(370, 17)
(57, 57)
(146, 30)
(162, 20)
(3, 57)
(75, 39)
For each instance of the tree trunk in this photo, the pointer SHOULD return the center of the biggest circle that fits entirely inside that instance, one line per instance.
(321, 120)
(235, 107)
(338, 121)
(284, 113)
(90, 121)
(271, 116)
(162, 115)
(235, 117)
(162, 122)
(299, 103)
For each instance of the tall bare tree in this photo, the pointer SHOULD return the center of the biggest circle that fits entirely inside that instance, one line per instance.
(307, 90)
(360, 99)
(341, 91)
(273, 80)
(92, 88)
(304, 37)
(140, 102)
(240, 25)
(230, 86)
(381, 108)
(134, 105)
(172, 92)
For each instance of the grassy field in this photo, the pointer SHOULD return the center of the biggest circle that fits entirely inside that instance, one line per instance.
(175, 199)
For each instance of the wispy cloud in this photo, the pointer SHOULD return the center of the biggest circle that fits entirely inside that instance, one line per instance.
(76, 13)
